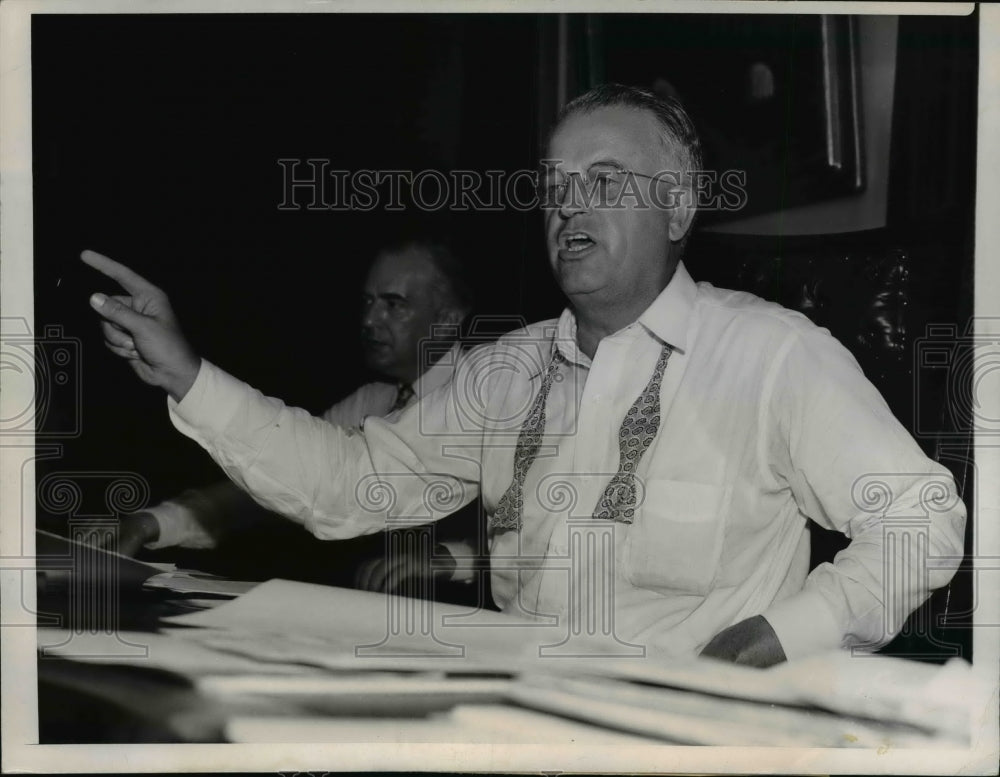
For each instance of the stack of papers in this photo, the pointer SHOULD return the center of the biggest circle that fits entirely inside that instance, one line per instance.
(187, 581)
(300, 662)
(453, 659)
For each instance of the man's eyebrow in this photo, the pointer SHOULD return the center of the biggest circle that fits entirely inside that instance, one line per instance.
(599, 163)
(608, 163)
(388, 296)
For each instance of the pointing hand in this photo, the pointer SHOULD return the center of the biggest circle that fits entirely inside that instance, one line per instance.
(140, 327)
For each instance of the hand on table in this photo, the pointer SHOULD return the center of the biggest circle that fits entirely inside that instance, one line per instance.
(135, 531)
(141, 328)
(751, 642)
(408, 573)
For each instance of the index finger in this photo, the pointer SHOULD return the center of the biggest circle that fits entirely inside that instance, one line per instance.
(130, 280)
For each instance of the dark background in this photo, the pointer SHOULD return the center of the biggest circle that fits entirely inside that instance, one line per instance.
(156, 140)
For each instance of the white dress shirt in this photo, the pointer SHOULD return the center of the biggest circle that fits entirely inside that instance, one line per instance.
(767, 421)
(196, 517)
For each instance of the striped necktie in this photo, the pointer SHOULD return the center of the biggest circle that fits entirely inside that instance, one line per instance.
(636, 434)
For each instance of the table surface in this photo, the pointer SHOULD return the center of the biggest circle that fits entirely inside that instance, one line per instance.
(202, 679)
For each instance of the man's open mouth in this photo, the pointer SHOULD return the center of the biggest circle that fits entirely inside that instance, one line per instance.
(575, 242)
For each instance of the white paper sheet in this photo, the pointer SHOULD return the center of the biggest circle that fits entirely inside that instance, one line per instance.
(156, 651)
(347, 630)
(188, 581)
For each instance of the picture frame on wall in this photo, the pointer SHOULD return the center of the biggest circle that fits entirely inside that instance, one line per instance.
(777, 99)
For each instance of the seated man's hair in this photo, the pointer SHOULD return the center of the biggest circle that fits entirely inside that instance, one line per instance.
(455, 285)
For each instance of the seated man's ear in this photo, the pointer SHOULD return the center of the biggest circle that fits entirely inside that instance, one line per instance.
(451, 316)
(682, 209)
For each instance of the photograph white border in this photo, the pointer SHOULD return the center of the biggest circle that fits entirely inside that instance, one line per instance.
(18, 671)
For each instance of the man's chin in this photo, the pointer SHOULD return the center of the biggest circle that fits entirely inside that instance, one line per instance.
(378, 361)
(574, 279)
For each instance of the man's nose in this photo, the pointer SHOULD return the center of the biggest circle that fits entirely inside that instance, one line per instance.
(372, 315)
(574, 199)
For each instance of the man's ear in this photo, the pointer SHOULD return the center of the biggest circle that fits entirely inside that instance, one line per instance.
(681, 212)
(450, 316)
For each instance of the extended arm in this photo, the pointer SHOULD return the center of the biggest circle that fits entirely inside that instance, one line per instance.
(198, 518)
(290, 462)
(201, 518)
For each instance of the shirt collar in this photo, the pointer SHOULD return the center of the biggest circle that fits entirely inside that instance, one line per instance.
(565, 339)
(667, 318)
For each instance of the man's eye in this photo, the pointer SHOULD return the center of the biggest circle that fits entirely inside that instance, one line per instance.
(605, 180)
(551, 192)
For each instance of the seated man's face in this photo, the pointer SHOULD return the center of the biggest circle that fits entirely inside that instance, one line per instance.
(400, 304)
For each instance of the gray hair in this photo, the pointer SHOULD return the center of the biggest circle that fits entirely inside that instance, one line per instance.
(677, 131)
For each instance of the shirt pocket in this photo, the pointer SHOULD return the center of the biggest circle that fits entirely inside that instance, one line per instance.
(675, 541)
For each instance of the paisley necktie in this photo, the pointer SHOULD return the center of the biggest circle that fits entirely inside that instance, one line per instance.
(642, 422)
(637, 431)
(511, 504)
(403, 396)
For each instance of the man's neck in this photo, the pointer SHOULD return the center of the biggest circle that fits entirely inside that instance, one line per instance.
(590, 332)
(591, 328)
(595, 321)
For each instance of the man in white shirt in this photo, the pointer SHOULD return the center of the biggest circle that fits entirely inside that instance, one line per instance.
(415, 294)
(651, 458)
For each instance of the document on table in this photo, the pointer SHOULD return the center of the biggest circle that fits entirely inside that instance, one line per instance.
(187, 581)
(60, 557)
(364, 627)
(152, 650)
(466, 723)
(844, 700)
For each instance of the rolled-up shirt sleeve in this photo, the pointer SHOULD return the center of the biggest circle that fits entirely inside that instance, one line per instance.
(318, 474)
(853, 467)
